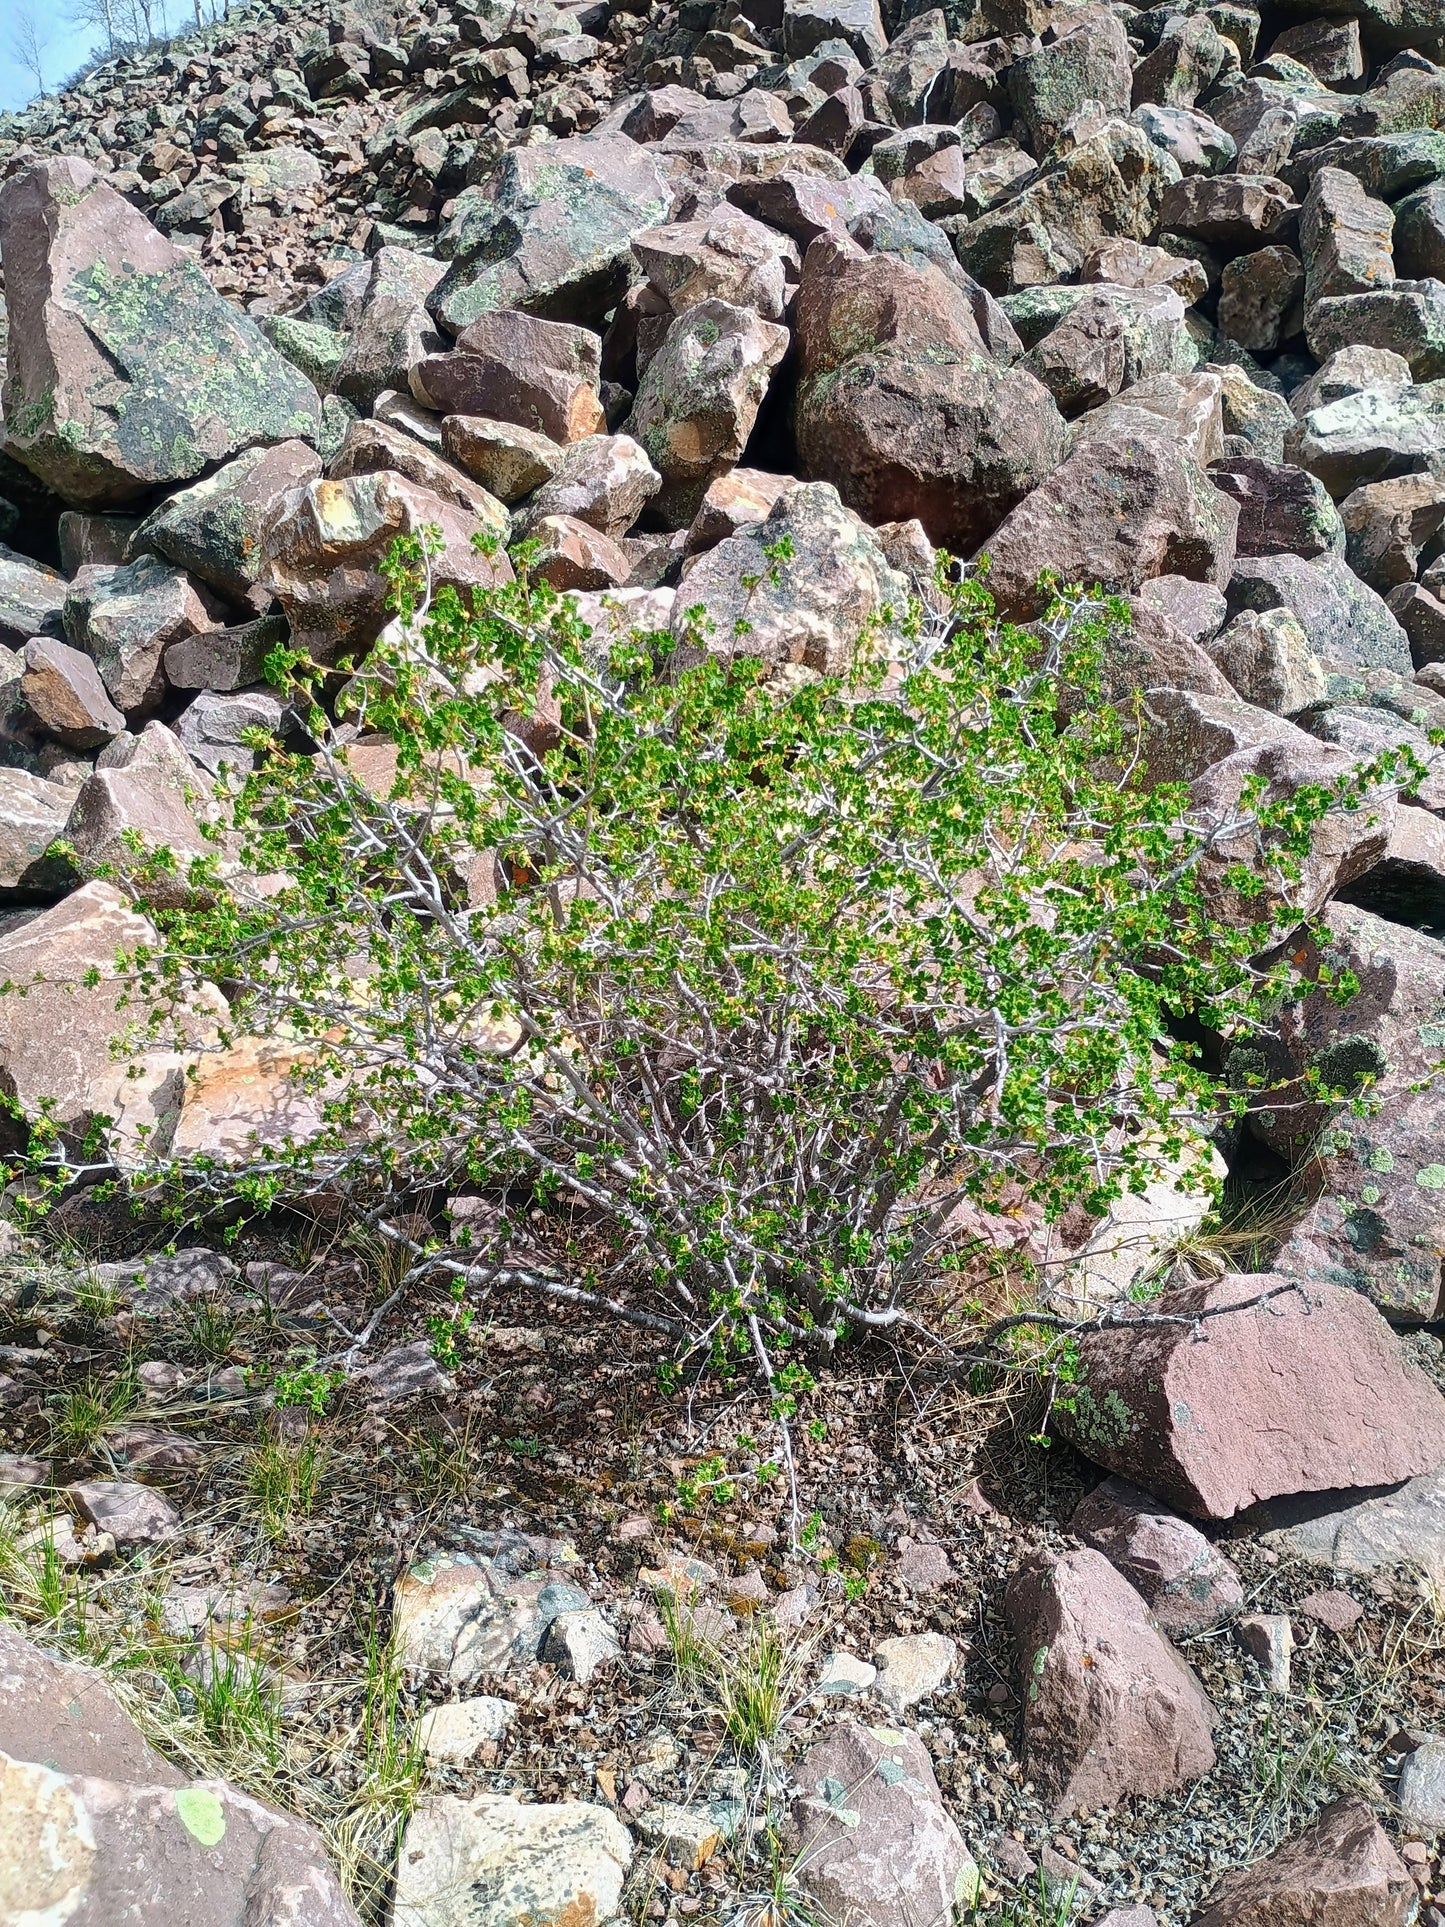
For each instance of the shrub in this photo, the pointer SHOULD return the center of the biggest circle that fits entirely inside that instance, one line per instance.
(746, 984)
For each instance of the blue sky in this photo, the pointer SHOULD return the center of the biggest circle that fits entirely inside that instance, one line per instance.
(64, 51)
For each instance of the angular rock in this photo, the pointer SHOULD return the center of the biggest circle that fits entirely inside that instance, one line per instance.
(126, 370)
(32, 817)
(1407, 881)
(125, 617)
(901, 407)
(551, 232)
(805, 205)
(497, 1862)
(1387, 524)
(130, 809)
(1268, 1400)
(1089, 61)
(225, 659)
(1421, 1792)
(1236, 211)
(1360, 1533)
(1110, 1708)
(807, 24)
(1184, 409)
(1269, 1638)
(542, 375)
(324, 544)
(699, 397)
(735, 501)
(878, 1840)
(1115, 513)
(1269, 662)
(31, 600)
(213, 728)
(1347, 623)
(461, 1615)
(392, 331)
(1408, 319)
(1342, 1869)
(1261, 299)
(508, 460)
(1282, 510)
(65, 693)
(214, 528)
(1188, 1585)
(571, 554)
(1344, 237)
(580, 1644)
(605, 481)
(369, 447)
(724, 256)
(1419, 241)
(1370, 434)
(913, 1666)
(132, 1514)
(456, 1732)
(838, 588)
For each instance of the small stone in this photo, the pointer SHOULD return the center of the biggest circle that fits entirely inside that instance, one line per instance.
(1270, 1638)
(498, 1862)
(921, 1565)
(455, 1733)
(687, 1837)
(913, 1666)
(579, 1644)
(407, 1371)
(1333, 1609)
(132, 1514)
(1421, 1793)
(844, 1676)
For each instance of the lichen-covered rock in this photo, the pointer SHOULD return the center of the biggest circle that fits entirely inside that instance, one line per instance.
(125, 617)
(1187, 1583)
(393, 330)
(31, 600)
(1347, 623)
(214, 528)
(126, 370)
(1298, 1394)
(699, 398)
(497, 1862)
(902, 407)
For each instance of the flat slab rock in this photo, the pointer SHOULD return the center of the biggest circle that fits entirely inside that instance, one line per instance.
(496, 1862)
(1360, 1532)
(1304, 1393)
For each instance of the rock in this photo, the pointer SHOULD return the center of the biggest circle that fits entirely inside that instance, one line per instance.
(377, 447)
(542, 375)
(688, 1837)
(67, 1717)
(455, 1733)
(808, 24)
(1260, 421)
(1345, 238)
(1419, 241)
(1188, 59)
(579, 1644)
(1268, 660)
(1350, 1532)
(1347, 623)
(31, 600)
(1421, 1792)
(1116, 513)
(900, 405)
(1422, 617)
(147, 1448)
(1342, 1869)
(1087, 62)
(249, 1097)
(65, 693)
(912, 1667)
(150, 797)
(1195, 143)
(1408, 319)
(1261, 298)
(32, 816)
(804, 206)
(126, 370)
(1283, 510)
(1110, 1708)
(551, 231)
(921, 1565)
(1215, 1424)
(1235, 211)
(573, 555)
(132, 1514)
(844, 1676)
(878, 1838)
(1371, 434)
(699, 397)
(1184, 409)
(497, 1862)
(213, 529)
(125, 617)
(735, 501)
(461, 1615)
(838, 588)
(93, 1850)
(725, 256)
(509, 461)
(1188, 1585)
(392, 331)
(1269, 1637)
(213, 729)
(225, 660)
(1335, 1610)
(406, 1371)
(605, 481)
(324, 544)
(1196, 610)
(1387, 524)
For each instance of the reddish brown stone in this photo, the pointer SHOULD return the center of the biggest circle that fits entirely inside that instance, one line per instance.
(1342, 1873)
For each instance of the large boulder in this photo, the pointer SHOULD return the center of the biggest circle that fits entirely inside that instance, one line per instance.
(326, 541)
(1347, 622)
(1235, 1401)
(214, 528)
(67, 1717)
(837, 590)
(551, 232)
(875, 1838)
(1342, 1872)
(518, 368)
(1117, 513)
(699, 397)
(125, 617)
(393, 331)
(901, 406)
(1110, 1708)
(126, 370)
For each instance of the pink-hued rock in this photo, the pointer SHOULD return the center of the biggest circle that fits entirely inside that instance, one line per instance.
(1187, 1582)
(1305, 1393)
(1110, 1708)
(1342, 1873)
(875, 1842)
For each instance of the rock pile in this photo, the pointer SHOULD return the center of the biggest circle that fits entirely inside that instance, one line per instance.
(1154, 296)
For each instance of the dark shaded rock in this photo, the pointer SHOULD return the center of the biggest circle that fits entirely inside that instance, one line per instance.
(1283, 510)
(214, 528)
(1347, 623)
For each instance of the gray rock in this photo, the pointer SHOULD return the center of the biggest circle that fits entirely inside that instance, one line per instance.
(132, 1514)
(1268, 659)
(455, 1733)
(605, 481)
(393, 330)
(1421, 1792)
(497, 1862)
(125, 618)
(1370, 434)
(33, 814)
(580, 1643)
(31, 600)
(1360, 1532)
(508, 460)
(913, 1666)
(1347, 623)
(462, 1615)
(213, 728)
(1269, 1638)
